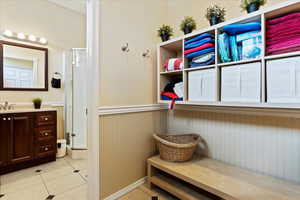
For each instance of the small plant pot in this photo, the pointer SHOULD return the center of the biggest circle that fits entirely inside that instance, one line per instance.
(187, 30)
(165, 37)
(252, 7)
(37, 105)
(214, 20)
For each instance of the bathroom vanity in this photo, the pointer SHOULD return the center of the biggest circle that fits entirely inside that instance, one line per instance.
(27, 138)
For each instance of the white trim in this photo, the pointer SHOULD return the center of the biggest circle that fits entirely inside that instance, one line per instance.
(127, 189)
(29, 104)
(93, 70)
(242, 110)
(130, 109)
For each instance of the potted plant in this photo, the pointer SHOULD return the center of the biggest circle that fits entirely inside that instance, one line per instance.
(188, 24)
(37, 102)
(215, 14)
(165, 32)
(252, 5)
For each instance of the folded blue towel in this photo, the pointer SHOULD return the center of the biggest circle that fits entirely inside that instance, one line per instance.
(209, 62)
(224, 51)
(199, 37)
(234, 29)
(199, 43)
(199, 53)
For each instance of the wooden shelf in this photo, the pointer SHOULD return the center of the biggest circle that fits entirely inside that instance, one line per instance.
(176, 72)
(285, 55)
(239, 62)
(176, 188)
(222, 180)
(199, 68)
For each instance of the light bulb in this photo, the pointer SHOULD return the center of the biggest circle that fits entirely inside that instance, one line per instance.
(8, 33)
(32, 38)
(21, 36)
(43, 40)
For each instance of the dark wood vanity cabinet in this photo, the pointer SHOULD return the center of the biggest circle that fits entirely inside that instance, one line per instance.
(27, 139)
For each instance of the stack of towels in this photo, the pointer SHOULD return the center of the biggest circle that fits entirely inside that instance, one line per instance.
(173, 64)
(173, 91)
(240, 42)
(283, 34)
(200, 50)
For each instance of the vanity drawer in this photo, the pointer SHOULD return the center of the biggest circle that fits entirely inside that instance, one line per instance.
(46, 118)
(46, 132)
(45, 148)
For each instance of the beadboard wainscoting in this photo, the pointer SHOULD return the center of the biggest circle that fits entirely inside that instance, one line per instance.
(265, 144)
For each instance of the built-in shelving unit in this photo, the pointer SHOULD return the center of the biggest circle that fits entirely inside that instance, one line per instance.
(258, 70)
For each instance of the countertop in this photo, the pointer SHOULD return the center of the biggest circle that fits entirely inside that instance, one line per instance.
(26, 110)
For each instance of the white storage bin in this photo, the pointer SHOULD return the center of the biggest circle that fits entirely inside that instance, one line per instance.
(241, 83)
(283, 80)
(202, 85)
(61, 148)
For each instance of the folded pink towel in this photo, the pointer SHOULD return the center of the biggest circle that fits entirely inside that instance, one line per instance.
(294, 49)
(281, 39)
(204, 46)
(284, 18)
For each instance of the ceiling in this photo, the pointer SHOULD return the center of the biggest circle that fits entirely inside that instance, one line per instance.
(75, 5)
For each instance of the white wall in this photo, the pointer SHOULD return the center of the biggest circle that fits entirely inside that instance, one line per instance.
(265, 144)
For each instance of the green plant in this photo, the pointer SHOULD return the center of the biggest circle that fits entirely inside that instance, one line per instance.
(165, 30)
(188, 22)
(37, 101)
(246, 3)
(216, 11)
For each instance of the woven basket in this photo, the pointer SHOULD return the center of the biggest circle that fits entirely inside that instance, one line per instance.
(177, 148)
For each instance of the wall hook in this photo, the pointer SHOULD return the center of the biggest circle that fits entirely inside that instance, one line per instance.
(146, 54)
(125, 48)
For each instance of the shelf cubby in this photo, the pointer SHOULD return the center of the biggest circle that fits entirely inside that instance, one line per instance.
(175, 48)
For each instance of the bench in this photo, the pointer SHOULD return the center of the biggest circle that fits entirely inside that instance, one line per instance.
(204, 179)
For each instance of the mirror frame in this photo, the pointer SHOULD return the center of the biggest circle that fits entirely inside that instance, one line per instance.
(2, 42)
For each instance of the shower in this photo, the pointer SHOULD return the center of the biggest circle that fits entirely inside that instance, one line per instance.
(76, 100)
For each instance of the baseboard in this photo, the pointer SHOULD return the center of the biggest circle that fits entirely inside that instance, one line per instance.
(127, 189)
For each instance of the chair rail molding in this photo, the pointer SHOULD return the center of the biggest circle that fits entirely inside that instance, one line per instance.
(280, 112)
(111, 110)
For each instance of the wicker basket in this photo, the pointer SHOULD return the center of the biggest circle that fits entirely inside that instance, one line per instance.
(177, 148)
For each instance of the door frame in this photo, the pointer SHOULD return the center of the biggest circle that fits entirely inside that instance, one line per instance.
(93, 60)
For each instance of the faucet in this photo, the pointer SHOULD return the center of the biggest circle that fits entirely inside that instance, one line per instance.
(6, 106)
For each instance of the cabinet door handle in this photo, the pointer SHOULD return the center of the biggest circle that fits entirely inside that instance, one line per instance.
(4, 119)
(9, 119)
(46, 148)
(46, 134)
(46, 118)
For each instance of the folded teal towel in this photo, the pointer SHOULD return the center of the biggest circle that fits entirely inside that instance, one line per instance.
(234, 48)
(224, 51)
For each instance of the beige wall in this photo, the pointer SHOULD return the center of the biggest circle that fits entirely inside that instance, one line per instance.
(177, 9)
(128, 78)
(126, 143)
(63, 28)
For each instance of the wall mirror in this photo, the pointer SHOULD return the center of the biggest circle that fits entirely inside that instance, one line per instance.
(23, 67)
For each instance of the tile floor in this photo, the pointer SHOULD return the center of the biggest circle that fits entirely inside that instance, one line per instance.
(65, 179)
(144, 193)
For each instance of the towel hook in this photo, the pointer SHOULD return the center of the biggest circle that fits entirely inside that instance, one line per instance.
(146, 54)
(125, 48)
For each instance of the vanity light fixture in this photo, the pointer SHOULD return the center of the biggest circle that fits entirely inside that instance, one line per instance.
(43, 40)
(27, 38)
(32, 38)
(21, 36)
(8, 33)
